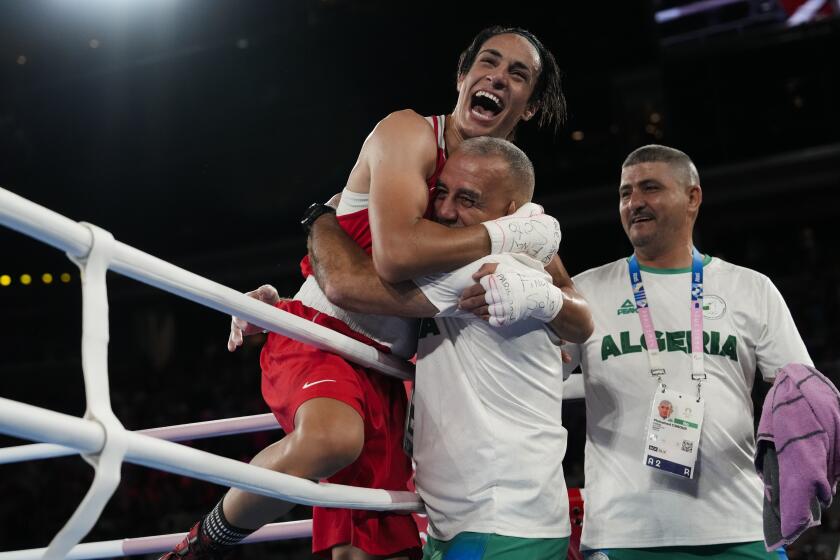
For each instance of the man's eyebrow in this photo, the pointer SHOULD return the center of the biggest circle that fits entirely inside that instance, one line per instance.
(642, 183)
(474, 193)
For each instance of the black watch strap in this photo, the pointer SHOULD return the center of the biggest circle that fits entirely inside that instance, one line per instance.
(313, 213)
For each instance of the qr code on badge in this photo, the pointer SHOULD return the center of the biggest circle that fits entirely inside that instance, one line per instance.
(687, 446)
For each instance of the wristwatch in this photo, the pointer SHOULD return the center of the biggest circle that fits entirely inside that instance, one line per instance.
(313, 213)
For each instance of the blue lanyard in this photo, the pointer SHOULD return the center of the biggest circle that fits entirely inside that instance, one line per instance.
(643, 310)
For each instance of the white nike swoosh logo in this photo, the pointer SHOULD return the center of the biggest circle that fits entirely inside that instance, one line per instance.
(308, 385)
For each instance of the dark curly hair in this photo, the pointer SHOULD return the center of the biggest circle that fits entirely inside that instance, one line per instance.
(548, 91)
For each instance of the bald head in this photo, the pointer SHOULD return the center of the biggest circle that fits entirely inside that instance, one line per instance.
(520, 168)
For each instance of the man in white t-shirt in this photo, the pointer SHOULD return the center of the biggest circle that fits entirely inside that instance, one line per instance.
(488, 440)
(650, 494)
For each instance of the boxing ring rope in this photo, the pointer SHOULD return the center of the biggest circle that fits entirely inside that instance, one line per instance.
(76, 240)
(100, 437)
(162, 543)
(180, 432)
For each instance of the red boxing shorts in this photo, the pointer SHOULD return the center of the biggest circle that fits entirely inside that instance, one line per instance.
(293, 373)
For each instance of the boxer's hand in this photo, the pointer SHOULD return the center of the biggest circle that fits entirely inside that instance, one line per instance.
(528, 230)
(529, 209)
(239, 327)
(513, 294)
(473, 300)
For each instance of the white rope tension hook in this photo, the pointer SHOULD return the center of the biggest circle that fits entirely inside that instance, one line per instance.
(108, 460)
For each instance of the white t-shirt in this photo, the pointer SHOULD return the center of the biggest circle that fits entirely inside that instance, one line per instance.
(746, 326)
(488, 437)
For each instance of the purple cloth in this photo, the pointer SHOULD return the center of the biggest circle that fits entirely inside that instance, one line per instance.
(798, 452)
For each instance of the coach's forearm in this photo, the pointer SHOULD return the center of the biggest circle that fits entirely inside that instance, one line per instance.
(349, 280)
(574, 322)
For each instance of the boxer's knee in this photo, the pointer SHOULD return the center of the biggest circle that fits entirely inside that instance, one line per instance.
(328, 436)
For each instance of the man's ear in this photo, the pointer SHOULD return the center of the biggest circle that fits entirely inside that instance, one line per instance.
(695, 197)
(511, 208)
(458, 83)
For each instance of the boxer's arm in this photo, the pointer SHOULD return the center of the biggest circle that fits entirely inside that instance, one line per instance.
(401, 153)
(347, 276)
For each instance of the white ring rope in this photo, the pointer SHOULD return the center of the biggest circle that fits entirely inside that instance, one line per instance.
(101, 438)
(162, 543)
(179, 432)
(75, 239)
(32, 422)
(100, 433)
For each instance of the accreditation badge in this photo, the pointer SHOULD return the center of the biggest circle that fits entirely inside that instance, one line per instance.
(673, 432)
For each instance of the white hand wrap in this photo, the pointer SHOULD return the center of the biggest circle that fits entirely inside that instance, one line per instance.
(527, 231)
(513, 294)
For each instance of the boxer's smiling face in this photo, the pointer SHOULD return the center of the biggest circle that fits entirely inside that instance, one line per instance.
(494, 94)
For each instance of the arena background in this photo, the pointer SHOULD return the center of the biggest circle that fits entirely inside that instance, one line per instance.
(200, 131)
